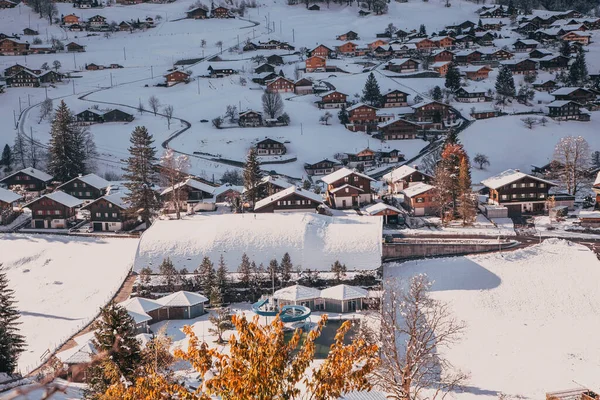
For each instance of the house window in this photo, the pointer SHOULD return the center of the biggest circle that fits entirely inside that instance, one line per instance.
(542, 185)
(74, 184)
(514, 185)
(110, 205)
(532, 195)
(114, 215)
(347, 190)
(98, 215)
(514, 196)
(56, 212)
(40, 212)
(542, 196)
(532, 184)
(105, 215)
(88, 194)
(420, 200)
(346, 179)
(504, 197)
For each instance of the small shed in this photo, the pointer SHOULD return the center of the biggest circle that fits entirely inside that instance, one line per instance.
(314, 7)
(183, 305)
(152, 308)
(389, 213)
(299, 295)
(344, 298)
(77, 360)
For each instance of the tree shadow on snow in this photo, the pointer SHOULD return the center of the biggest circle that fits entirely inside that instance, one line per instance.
(41, 315)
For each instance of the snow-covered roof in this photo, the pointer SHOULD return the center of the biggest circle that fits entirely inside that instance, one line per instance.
(392, 121)
(92, 180)
(7, 196)
(297, 293)
(342, 173)
(35, 173)
(417, 189)
(561, 103)
(399, 173)
(60, 197)
(400, 61)
(440, 64)
(464, 53)
(346, 186)
(182, 299)
(589, 214)
(223, 188)
(194, 184)
(357, 105)
(509, 176)
(597, 180)
(81, 354)
(565, 91)
(549, 57)
(286, 192)
(140, 304)
(139, 317)
(330, 92)
(276, 181)
(528, 41)
(117, 198)
(344, 292)
(472, 89)
(312, 240)
(425, 103)
(378, 207)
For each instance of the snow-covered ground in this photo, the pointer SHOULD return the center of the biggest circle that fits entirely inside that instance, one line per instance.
(60, 283)
(532, 317)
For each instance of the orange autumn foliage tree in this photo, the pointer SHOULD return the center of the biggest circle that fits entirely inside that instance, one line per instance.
(263, 365)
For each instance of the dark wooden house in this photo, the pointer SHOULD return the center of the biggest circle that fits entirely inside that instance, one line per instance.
(395, 98)
(292, 199)
(117, 115)
(28, 179)
(332, 99)
(563, 110)
(87, 187)
(57, 210)
(197, 13)
(322, 167)
(75, 48)
(397, 129)
(348, 189)
(270, 147)
(108, 213)
(250, 118)
(362, 118)
(576, 94)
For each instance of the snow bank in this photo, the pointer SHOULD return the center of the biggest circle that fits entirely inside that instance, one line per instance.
(532, 317)
(313, 241)
(60, 283)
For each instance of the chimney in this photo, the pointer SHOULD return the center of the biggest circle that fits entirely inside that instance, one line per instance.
(416, 167)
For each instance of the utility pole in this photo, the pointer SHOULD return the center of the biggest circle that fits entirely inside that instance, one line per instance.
(73, 86)
(74, 62)
(124, 54)
(152, 72)
(33, 155)
(15, 115)
(20, 110)
(253, 36)
(111, 80)
(238, 38)
(46, 87)
(198, 80)
(29, 99)
(293, 35)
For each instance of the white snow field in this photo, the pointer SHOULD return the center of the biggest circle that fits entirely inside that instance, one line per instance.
(313, 241)
(60, 283)
(532, 317)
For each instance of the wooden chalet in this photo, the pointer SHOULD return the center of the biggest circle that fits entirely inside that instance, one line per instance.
(221, 12)
(7, 4)
(320, 51)
(445, 42)
(316, 64)
(175, 77)
(362, 118)
(292, 199)
(419, 199)
(485, 114)
(525, 45)
(332, 99)
(73, 47)
(270, 147)
(264, 68)
(13, 47)
(521, 66)
(465, 40)
(443, 55)
(576, 94)
(554, 63)
(484, 38)
(498, 55)
(402, 177)
(539, 53)
(56, 210)
(476, 72)
(269, 185)
(23, 78)
(348, 49)
(518, 192)
(364, 158)
(577, 37)
(465, 57)
(197, 13)
(28, 179)
(96, 21)
(70, 19)
(547, 85)
(86, 188)
(303, 86)
(280, 85)
(397, 129)
(431, 114)
(30, 32)
(424, 43)
(193, 195)
(350, 35)
(108, 213)
(250, 118)
(441, 67)
(8, 200)
(494, 12)
(117, 115)
(348, 189)
(274, 59)
(564, 110)
(402, 65)
(90, 116)
(395, 98)
(274, 45)
(265, 77)
(220, 70)
(322, 167)
(389, 156)
(469, 94)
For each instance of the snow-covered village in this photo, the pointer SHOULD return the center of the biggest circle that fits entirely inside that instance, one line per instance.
(315, 199)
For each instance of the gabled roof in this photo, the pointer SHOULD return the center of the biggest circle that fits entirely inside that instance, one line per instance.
(509, 176)
(565, 91)
(92, 180)
(224, 188)
(60, 197)
(331, 92)
(286, 192)
(358, 105)
(562, 103)
(400, 61)
(282, 183)
(346, 186)
(400, 173)
(140, 305)
(342, 173)
(297, 293)
(7, 196)
(378, 207)
(81, 354)
(527, 42)
(116, 198)
(344, 292)
(417, 189)
(35, 173)
(393, 121)
(182, 299)
(194, 184)
(427, 102)
(472, 90)
(243, 113)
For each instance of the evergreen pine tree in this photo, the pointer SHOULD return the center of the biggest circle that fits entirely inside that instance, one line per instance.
(245, 271)
(565, 49)
(221, 278)
(170, 274)
(466, 207)
(343, 115)
(67, 149)
(505, 83)
(118, 349)
(141, 174)
(6, 161)
(511, 8)
(422, 30)
(452, 78)
(206, 276)
(371, 93)
(20, 150)
(286, 267)
(12, 344)
(257, 279)
(252, 177)
(578, 72)
(339, 270)
(436, 93)
(480, 24)
(274, 270)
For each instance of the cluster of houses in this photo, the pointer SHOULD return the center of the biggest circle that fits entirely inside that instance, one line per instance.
(12, 46)
(21, 76)
(99, 23)
(97, 116)
(202, 12)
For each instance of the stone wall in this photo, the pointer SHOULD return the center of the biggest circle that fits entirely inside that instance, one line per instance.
(407, 250)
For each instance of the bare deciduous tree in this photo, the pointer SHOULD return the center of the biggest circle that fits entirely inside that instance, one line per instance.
(481, 160)
(572, 158)
(272, 104)
(529, 122)
(174, 168)
(414, 327)
(442, 194)
(168, 111)
(219, 44)
(154, 104)
(45, 109)
(325, 118)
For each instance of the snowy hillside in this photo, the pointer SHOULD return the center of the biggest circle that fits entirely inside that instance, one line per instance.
(313, 241)
(60, 283)
(532, 317)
